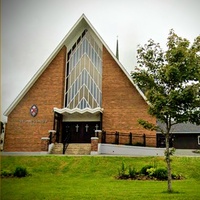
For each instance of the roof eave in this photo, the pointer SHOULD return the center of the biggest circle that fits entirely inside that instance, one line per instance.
(40, 71)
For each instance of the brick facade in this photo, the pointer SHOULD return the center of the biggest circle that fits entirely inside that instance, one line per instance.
(24, 132)
(122, 103)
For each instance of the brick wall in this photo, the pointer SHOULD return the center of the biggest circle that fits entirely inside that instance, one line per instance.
(24, 132)
(122, 103)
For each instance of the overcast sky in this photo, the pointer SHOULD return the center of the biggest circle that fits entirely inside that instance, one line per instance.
(31, 30)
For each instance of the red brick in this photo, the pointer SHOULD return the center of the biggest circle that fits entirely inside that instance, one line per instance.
(47, 93)
(122, 103)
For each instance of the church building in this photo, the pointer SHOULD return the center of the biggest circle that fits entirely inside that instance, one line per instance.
(81, 88)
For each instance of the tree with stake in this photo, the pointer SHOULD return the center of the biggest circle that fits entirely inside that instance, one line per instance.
(171, 82)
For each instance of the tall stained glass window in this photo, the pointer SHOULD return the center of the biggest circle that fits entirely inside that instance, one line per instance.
(84, 74)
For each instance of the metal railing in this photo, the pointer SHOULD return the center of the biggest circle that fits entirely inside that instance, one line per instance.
(66, 142)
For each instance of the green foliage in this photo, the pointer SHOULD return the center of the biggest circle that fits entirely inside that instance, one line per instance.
(145, 168)
(171, 82)
(171, 152)
(123, 173)
(132, 172)
(147, 125)
(64, 177)
(6, 173)
(147, 172)
(161, 173)
(151, 171)
(20, 172)
(122, 170)
(170, 79)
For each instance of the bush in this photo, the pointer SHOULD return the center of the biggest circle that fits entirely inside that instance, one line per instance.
(145, 168)
(161, 174)
(20, 172)
(123, 174)
(177, 177)
(122, 171)
(6, 173)
(132, 172)
(148, 172)
(151, 171)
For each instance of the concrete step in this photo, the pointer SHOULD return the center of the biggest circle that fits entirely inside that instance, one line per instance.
(78, 149)
(58, 148)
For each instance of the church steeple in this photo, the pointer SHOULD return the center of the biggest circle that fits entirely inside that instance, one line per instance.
(117, 50)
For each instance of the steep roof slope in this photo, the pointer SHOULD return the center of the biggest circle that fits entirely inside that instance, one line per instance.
(82, 22)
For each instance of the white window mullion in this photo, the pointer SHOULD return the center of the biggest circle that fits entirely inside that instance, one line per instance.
(74, 78)
(79, 94)
(84, 61)
(88, 82)
(85, 74)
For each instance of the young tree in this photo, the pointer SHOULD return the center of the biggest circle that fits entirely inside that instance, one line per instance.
(171, 82)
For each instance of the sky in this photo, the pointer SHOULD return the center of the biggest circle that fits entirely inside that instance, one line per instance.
(31, 30)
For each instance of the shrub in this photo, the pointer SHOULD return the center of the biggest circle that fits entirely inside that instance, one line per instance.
(132, 172)
(122, 171)
(148, 172)
(6, 173)
(161, 174)
(20, 172)
(145, 168)
(177, 176)
(151, 171)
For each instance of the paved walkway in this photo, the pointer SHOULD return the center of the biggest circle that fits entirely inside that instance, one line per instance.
(178, 152)
(186, 152)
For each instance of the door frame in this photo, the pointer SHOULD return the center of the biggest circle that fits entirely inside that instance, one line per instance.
(80, 131)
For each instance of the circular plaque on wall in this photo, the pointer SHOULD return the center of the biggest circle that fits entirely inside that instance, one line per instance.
(33, 110)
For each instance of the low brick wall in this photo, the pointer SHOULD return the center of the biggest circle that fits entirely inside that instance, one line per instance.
(94, 145)
(129, 138)
(44, 143)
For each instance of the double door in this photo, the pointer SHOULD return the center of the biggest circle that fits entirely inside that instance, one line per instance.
(80, 132)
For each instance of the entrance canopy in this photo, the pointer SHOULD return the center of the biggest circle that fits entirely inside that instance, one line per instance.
(77, 114)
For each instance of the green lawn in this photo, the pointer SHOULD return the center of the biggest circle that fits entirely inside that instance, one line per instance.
(64, 177)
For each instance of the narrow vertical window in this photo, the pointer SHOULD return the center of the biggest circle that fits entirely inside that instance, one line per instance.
(84, 74)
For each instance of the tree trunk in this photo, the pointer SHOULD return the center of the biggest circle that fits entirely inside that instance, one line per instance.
(168, 160)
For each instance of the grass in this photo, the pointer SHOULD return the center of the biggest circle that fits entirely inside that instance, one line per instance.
(64, 177)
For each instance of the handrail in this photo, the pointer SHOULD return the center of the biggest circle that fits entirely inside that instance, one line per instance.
(66, 143)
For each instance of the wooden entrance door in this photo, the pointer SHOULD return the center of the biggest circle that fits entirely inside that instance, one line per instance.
(81, 132)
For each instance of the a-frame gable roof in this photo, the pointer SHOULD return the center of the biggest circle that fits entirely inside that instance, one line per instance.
(82, 22)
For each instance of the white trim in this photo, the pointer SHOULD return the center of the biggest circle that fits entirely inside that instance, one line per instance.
(78, 110)
(52, 131)
(45, 138)
(82, 21)
(94, 138)
(199, 140)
